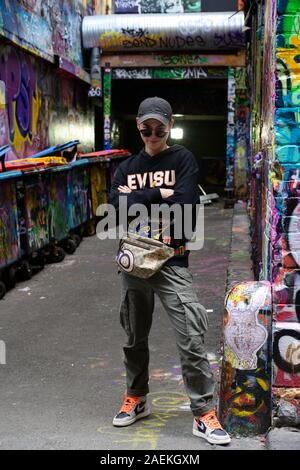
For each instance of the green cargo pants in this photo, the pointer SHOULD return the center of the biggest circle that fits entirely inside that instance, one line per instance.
(173, 285)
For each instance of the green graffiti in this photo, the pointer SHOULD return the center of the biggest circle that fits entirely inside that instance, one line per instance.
(107, 92)
(194, 59)
(287, 6)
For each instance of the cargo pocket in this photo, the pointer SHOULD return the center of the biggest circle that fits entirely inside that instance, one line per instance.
(195, 313)
(124, 313)
(182, 272)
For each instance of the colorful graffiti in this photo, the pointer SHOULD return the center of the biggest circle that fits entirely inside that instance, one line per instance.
(9, 236)
(37, 109)
(131, 39)
(37, 212)
(107, 107)
(23, 101)
(23, 23)
(96, 78)
(79, 200)
(230, 151)
(244, 335)
(47, 28)
(246, 399)
(284, 203)
(193, 32)
(59, 205)
(241, 131)
(245, 393)
(126, 6)
(157, 6)
(172, 73)
(286, 351)
(275, 177)
(193, 59)
(237, 132)
(261, 76)
(99, 187)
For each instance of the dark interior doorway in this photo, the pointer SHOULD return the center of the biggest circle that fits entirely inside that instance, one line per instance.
(200, 109)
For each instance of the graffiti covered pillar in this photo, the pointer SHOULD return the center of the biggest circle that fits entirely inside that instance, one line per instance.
(107, 107)
(245, 393)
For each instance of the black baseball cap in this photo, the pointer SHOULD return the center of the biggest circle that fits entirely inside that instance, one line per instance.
(155, 108)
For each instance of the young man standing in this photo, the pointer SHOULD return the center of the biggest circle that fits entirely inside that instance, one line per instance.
(164, 174)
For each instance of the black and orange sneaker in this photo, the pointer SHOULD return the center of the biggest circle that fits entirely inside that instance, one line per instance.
(133, 408)
(208, 427)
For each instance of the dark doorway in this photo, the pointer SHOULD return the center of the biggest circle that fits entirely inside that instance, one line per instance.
(200, 109)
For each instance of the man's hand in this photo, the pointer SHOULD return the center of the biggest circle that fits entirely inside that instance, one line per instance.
(124, 189)
(165, 193)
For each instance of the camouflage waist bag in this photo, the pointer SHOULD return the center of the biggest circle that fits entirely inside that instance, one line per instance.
(141, 256)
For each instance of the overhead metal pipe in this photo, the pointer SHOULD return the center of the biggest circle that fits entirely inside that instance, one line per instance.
(164, 32)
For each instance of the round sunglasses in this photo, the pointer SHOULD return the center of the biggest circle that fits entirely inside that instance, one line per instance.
(158, 132)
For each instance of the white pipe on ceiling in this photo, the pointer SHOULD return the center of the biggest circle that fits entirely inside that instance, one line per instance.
(161, 32)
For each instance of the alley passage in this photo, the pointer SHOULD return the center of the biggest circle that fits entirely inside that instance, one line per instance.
(63, 380)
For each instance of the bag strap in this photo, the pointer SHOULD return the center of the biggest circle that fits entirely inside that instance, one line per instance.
(180, 250)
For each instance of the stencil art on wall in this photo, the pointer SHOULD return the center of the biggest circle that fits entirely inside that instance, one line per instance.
(244, 334)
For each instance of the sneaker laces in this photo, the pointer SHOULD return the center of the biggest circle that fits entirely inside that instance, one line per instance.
(211, 420)
(129, 404)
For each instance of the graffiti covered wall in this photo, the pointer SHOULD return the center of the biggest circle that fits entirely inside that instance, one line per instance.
(255, 77)
(237, 132)
(241, 171)
(38, 108)
(9, 236)
(37, 212)
(40, 105)
(157, 6)
(47, 27)
(175, 6)
(172, 73)
(285, 197)
(230, 151)
(274, 204)
(262, 80)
